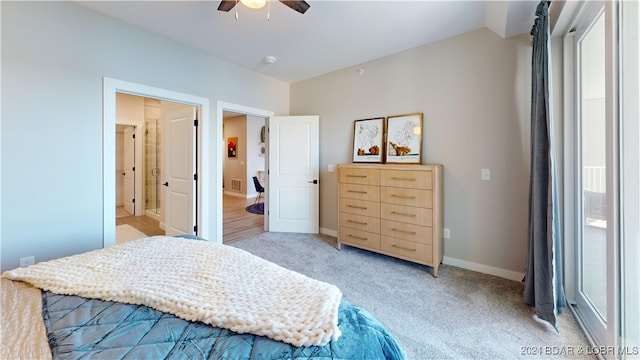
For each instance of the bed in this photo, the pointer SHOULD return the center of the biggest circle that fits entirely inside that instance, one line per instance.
(177, 298)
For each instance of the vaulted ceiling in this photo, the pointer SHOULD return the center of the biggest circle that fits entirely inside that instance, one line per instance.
(331, 35)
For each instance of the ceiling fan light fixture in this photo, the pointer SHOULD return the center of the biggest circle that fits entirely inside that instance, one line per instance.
(254, 4)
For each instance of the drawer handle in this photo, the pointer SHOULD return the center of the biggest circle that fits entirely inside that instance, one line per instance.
(357, 176)
(404, 231)
(403, 179)
(403, 214)
(357, 222)
(357, 192)
(403, 196)
(357, 207)
(358, 237)
(403, 248)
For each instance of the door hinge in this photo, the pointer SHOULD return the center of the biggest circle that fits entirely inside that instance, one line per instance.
(133, 168)
(195, 122)
(195, 177)
(133, 201)
(195, 228)
(133, 136)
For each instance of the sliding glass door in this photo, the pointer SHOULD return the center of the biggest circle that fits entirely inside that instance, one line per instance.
(602, 177)
(591, 192)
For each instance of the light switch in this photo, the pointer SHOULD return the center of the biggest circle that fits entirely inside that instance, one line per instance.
(331, 167)
(485, 174)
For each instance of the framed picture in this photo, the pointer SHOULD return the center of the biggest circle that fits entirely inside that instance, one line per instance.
(403, 144)
(232, 147)
(368, 138)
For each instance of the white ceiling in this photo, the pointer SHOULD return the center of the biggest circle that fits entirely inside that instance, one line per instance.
(331, 35)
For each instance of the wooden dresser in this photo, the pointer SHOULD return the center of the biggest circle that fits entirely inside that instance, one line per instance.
(394, 210)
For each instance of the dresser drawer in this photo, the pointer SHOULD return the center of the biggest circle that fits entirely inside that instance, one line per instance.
(409, 232)
(359, 238)
(410, 197)
(360, 207)
(358, 222)
(359, 176)
(406, 179)
(407, 214)
(407, 249)
(360, 192)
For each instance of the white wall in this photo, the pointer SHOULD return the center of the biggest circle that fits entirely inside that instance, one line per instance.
(54, 58)
(474, 91)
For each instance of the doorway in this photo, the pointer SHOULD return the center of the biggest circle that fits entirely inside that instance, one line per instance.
(243, 206)
(111, 88)
(125, 170)
(140, 160)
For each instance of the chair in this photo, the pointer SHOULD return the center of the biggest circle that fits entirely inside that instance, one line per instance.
(259, 189)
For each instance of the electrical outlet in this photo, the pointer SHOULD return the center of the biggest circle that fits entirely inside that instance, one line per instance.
(331, 167)
(26, 261)
(485, 174)
(447, 233)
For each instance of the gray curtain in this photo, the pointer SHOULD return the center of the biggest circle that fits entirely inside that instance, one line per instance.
(543, 276)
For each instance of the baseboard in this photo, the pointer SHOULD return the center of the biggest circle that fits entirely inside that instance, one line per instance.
(152, 215)
(485, 269)
(481, 268)
(329, 232)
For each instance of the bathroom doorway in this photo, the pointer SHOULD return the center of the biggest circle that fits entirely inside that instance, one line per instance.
(143, 120)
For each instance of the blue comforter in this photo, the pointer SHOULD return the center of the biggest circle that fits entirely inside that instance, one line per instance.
(89, 328)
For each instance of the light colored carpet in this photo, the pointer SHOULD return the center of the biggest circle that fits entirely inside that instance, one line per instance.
(127, 232)
(460, 315)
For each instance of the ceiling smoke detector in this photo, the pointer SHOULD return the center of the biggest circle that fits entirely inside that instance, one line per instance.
(269, 59)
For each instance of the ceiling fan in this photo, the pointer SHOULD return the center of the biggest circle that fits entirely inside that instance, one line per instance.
(297, 5)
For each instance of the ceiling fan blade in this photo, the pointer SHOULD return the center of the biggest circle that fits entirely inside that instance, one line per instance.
(297, 5)
(226, 5)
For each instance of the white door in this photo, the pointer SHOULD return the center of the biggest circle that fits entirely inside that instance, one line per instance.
(128, 185)
(179, 179)
(293, 189)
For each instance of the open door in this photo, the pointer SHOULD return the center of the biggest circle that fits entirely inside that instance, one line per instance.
(180, 181)
(293, 189)
(128, 185)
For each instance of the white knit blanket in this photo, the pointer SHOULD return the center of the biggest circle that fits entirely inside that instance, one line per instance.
(199, 281)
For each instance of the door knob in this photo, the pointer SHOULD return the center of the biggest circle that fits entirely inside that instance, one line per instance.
(313, 182)
(166, 183)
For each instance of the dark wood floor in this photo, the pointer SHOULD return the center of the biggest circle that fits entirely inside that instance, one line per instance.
(237, 223)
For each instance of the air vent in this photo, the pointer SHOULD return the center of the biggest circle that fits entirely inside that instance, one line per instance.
(236, 185)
